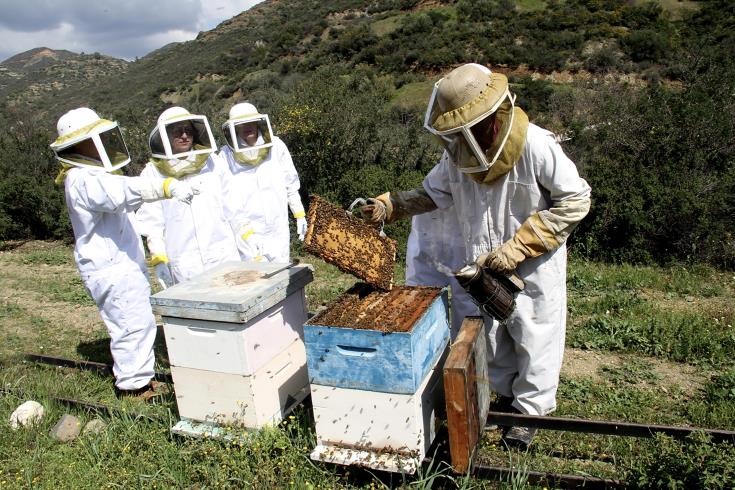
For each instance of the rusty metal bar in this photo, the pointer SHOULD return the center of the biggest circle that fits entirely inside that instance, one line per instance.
(555, 480)
(97, 367)
(87, 406)
(603, 427)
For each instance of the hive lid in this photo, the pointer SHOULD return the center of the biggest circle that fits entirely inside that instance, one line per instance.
(233, 291)
(350, 243)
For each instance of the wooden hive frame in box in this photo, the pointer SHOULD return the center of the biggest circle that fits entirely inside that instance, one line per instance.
(350, 243)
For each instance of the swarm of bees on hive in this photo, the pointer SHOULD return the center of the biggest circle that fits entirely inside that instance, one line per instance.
(364, 307)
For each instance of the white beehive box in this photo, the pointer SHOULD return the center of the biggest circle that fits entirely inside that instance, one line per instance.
(386, 431)
(233, 318)
(252, 401)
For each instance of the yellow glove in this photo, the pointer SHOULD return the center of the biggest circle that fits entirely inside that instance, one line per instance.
(527, 242)
(504, 259)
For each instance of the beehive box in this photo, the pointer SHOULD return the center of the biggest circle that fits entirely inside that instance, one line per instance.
(384, 341)
(253, 401)
(350, 243)
(385, 431)
(234, 318)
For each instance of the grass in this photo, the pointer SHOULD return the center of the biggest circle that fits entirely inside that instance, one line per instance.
(413, 95)
(383, 27)
(645, 344)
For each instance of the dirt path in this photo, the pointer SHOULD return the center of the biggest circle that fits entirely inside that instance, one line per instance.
(664, 375)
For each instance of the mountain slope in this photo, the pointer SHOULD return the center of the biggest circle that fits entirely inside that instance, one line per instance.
(33, 75)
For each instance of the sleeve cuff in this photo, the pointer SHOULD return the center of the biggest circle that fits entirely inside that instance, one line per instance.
(157, 259)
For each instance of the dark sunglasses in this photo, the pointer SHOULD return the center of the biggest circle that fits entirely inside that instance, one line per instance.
(178, 130)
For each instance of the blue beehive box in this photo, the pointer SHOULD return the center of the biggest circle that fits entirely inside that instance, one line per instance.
(383, 341)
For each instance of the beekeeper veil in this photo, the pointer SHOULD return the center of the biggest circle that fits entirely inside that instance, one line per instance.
(186, 143)
(473, 114)
(248, 134)
(86, 140)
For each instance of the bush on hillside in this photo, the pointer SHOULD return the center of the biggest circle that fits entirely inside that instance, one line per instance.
(31, 205)
(662, 168)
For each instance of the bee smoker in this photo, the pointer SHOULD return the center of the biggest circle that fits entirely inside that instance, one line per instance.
(493, 292)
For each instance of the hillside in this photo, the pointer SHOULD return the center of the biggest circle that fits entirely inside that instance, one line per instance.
(643, 89)
(35, 75)
(281, 39)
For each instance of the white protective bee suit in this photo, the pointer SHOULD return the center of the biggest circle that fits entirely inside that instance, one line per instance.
(189, 239)
(526, 352)
(108, 250)
(261, 187)
(518, 197)
(434, 251)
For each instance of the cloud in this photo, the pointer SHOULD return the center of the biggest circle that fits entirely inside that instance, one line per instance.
(124, 29)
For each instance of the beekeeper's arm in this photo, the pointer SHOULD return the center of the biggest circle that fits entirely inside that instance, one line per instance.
(292, 187)
(104, 192)
(545, 230)
(151, 223)
(244, 231)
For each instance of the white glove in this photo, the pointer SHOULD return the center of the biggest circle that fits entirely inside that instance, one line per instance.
(248, 242)
(181, 190)
(163, 275)
(301, 227)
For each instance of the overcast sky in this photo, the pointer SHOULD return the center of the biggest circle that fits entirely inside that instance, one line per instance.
(119, 28)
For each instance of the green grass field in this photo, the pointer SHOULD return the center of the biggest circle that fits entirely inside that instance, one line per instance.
(644, 344)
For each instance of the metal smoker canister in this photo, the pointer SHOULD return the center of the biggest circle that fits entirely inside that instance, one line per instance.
(492, 292)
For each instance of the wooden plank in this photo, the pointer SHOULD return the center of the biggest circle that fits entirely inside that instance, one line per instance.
(467, 392)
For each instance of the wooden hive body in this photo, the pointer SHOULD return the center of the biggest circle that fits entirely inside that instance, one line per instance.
(262, 398)
(386, 431)
(375, 356)
(234, 336)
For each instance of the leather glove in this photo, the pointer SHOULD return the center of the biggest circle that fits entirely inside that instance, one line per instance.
(301, 227)
(504, 259)
(163, 275)
(378, 209)
(179, 189)
(527, 242)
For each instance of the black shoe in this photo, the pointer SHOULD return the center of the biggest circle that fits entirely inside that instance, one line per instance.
(501, 404)
(519, 437)
(145, 393)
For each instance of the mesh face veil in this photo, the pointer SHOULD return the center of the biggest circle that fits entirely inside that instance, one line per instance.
(248, 134)
(186, 135)
(458, 113)
(86, 140)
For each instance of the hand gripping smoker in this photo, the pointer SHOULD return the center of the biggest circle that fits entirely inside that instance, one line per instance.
(493, 292)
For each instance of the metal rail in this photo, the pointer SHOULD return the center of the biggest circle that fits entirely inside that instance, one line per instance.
(87, 406)
(559, 480)
(97, 367)
(555, 480)
(604, 427)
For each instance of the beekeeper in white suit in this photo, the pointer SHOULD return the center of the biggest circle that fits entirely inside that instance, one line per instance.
(434, 251)
(108, 250)
(186, 240)
(263, 186)
(518, 197)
